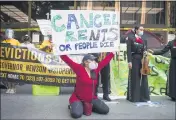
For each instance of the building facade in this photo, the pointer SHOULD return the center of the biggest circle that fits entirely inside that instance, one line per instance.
(156, 16)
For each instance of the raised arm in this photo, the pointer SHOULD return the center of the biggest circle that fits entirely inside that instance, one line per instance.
(105, 61)
(74, 66)
(164, 50)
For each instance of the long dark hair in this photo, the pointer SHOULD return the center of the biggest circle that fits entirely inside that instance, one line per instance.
(93, 75)
(136, 28)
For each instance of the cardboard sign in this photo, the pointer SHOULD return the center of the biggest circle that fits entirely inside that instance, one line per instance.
(85, 31)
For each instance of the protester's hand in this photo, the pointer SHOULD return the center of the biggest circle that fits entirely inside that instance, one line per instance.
(150, 51)
(130, 65)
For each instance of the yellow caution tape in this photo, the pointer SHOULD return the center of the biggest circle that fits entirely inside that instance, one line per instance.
(154, 29)
(149, 29)
(24, 29)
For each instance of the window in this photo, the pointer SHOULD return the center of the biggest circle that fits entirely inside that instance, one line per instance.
(105, 5)
(151, 12)
(173, 14)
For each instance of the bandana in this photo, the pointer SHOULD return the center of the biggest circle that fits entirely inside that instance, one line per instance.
(138, 39)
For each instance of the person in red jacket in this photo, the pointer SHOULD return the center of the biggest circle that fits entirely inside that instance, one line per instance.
(84, 100)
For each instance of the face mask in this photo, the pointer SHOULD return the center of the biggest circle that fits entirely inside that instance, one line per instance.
(9, 34)
(93, 65)
(140, 33)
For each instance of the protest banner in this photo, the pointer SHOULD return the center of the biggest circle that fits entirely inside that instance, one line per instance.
(85, 31)
(19, 64)
(157, 79)
(33, 66)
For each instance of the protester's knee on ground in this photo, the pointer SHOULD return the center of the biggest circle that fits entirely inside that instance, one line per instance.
(100, 107)
(76, 114)
(76, 109)
(105, 110)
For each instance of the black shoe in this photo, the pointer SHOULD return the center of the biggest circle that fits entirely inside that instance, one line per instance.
(106, 98)
(3, 87)
(173, 99)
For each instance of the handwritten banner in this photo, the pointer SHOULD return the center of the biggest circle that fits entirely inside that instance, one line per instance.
(75, 32)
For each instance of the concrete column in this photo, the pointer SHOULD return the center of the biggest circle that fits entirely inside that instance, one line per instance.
(75, 5)
(117, 5)
(167, 18)
(143, 12)
(29, 17)
(89, 5)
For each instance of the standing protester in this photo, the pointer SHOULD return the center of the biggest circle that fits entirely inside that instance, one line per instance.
(9, 39)
(163, 45)
(104, 75)
(105, 78)
(26, 42)
(84, 100)
(171, 81)
(2, 83)
(138, 90)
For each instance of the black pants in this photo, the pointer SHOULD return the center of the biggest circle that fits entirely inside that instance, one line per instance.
(99, 107)
(105, 79)
(171, 82)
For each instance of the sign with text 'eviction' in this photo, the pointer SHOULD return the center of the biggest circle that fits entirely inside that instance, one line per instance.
(85, 31)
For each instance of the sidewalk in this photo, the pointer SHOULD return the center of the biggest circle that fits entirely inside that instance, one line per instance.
(25, 106)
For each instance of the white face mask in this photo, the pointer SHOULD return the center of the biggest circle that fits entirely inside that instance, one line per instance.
(141, 33)
(9, 34)
(93, 65)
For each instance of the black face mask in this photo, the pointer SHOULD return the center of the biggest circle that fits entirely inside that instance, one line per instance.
(93, 75)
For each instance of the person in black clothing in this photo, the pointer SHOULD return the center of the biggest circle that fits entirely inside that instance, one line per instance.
(104, 75)
(137, 90)
(2, 86)
(171, 82)
(163, 45)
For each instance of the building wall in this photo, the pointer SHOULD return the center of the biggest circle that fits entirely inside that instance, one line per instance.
(173, 14)
(151, 13)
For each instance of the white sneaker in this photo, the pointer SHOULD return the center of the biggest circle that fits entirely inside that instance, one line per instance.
(12, 91)
(101, 85)
(8, 90)
(149, 102)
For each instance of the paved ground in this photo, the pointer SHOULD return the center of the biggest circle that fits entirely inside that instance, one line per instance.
(25, 106)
